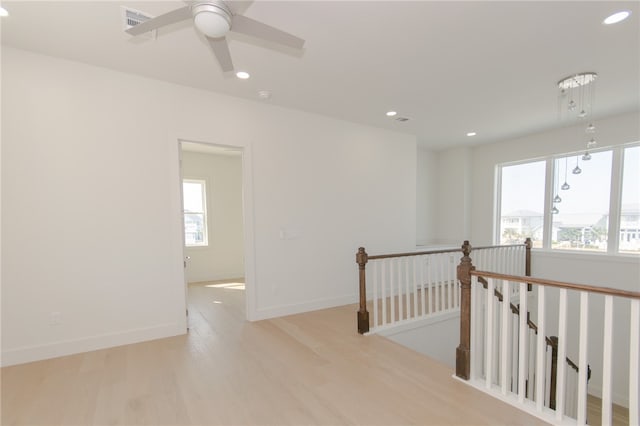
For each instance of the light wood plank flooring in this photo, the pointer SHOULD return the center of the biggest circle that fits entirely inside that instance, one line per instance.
(305, 369)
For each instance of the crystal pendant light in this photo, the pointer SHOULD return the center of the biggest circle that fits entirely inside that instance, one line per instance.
(555, 210)
(590, 144)
(565, 185)
(577, 170)
(557, 199)
(577, 95)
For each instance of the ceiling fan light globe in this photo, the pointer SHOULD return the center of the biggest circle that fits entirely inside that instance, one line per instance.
(211, 24)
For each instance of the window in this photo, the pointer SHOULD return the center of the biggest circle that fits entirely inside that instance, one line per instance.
(195, 212)
(522, 203)
(563, 202)
(630, 206)
(581, 202)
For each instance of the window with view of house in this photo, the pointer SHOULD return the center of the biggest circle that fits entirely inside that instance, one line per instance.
(195, 214)
(629, 241)
(571, 211)
(580, 209)
(522, 202)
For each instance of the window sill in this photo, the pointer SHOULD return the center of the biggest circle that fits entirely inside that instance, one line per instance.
(587, 256)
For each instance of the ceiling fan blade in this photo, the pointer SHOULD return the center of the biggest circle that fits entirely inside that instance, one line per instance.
(221, 50)
(161, 20)
(242, 24)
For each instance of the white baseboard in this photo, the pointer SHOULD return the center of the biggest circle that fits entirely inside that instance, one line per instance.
(69, 347)
(297, 308)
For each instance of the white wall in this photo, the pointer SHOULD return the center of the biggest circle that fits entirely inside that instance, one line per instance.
(222, 258)
(454, 196)
(91, 220)
(437, 338)
(426, 190)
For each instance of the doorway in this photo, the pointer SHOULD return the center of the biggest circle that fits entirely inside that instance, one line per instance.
(214, 197)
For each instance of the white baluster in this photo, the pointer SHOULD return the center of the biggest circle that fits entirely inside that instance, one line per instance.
(392, 297)
(562, 354)
(450, 280)
(383, 288)
(606, 361)
(582, 364)
(436, 281)
(504, 337)
(634, 368)
(408, 288)
(376, 282)
(540, 350)
(442, 283)
(475, 320)
(514, 353)
(414, 264)
(547, 383)
(532, 365)
(421, 261)
(430, 285)
(489, 338)
(523, 353)
(496, 340)
(398, 281)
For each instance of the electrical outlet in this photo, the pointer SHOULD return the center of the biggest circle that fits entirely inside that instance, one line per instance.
(55, 318)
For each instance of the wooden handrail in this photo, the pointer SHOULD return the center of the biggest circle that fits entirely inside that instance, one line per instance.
(415, 253)
(559, 284)
(498, 246)
(420, 253)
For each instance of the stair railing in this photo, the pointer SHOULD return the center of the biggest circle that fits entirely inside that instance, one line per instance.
(551, 353)
(510, 378)
(405, 287)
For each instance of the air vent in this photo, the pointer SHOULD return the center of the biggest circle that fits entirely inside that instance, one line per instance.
(134, 17)
(402, 119)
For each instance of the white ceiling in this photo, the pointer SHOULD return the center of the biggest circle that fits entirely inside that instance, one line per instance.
(450, 66)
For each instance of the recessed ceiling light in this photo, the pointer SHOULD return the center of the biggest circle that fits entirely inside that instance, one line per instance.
(471, 134)
(3, 11)
(243, 75)
(391, 113)
(617, 17)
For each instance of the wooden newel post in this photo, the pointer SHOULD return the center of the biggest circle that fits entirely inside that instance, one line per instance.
(527, 260)
(363, 316)
(463, 351)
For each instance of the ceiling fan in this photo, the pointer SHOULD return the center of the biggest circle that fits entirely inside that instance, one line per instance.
(214, 19)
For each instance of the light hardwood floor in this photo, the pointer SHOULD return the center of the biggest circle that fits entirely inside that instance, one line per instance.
(305, 369)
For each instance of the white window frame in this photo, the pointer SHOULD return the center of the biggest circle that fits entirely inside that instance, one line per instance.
(497, 196)
(615, 198)
(205, 238)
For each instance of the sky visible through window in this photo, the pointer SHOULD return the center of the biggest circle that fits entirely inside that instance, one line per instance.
(523, 187)
(631, 177)
(192, 193)
(589, 191)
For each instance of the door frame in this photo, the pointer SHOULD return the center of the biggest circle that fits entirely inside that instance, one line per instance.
(247, 216)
